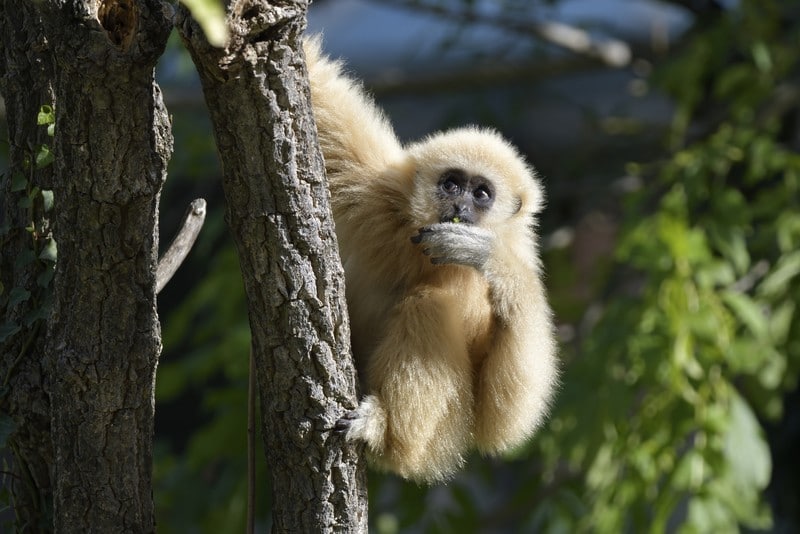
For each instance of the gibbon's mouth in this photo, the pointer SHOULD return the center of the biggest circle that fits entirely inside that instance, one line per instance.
(457, 219)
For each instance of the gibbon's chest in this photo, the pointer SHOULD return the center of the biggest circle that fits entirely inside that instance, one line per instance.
(476, 314)
(469, 293)
(372, 300)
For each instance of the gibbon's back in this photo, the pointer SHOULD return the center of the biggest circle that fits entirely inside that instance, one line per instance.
(353, 133)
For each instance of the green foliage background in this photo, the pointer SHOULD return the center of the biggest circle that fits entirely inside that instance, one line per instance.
(683, 354)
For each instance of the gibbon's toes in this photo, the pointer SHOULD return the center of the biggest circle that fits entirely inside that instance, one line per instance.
(346, 421)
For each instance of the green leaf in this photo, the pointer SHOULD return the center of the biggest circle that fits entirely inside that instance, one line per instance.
(18, 182)
(44, 157)
(749, 312)
(732, 243)
(25, 203)
(47, 200)
(7, 330)
(781, 322)
(17, 296)
(42, 312)
(7, 427)
(761, 57)
(707, 514)
(210, 14)
(747, 455)
(24, 257)
(49, 250)
(777, 282)
(44, 278)
(46, 115)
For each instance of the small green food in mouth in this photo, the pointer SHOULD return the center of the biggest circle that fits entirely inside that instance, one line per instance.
(456, 220)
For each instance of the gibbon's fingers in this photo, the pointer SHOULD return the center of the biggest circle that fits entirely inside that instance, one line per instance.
(455, 243)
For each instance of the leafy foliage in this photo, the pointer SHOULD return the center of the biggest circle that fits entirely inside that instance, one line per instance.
(683, 367)
(25, 307)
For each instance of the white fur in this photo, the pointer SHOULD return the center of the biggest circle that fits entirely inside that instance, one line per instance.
(453, 355)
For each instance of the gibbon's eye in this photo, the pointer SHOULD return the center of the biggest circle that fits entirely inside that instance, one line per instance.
(450, 183)
(482, 193)
(483, 196)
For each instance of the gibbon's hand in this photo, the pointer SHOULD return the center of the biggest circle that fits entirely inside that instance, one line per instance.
(456, 243)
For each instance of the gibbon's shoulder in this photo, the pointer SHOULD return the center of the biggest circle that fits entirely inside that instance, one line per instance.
(353, 131)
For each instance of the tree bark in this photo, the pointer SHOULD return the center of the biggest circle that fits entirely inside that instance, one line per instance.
(26, 69)
(112, 142)
(279, 214)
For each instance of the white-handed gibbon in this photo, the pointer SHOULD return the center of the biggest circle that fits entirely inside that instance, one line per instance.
(451, 330)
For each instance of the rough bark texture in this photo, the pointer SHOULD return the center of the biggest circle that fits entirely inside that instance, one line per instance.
(112, 143)
(26, 73)
(278, 211)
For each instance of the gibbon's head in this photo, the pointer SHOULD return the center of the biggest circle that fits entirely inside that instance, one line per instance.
(471, 176)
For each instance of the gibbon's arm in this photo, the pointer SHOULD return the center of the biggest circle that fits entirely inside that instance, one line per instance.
(519, 372)
(354, 134)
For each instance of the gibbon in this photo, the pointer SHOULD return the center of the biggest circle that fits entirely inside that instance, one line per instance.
(451, 331)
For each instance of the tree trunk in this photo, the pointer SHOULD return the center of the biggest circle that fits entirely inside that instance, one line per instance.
(112, 142)
(278, 211)
(26, 83)
(80, 392)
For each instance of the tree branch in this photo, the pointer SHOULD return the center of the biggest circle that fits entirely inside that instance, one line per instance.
(182, 244)
(612, 52)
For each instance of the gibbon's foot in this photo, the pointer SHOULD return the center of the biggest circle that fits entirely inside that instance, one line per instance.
(345, 422)
(366, 423)
(455, 243)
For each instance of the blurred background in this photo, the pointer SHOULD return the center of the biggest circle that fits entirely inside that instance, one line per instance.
(666, 135)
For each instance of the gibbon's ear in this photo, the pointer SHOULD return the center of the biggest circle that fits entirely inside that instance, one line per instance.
(518, 206)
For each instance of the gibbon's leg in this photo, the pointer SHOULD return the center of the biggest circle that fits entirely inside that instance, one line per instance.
(417, 418)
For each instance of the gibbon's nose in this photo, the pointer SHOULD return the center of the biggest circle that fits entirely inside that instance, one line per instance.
(461, 209)
(462, 212)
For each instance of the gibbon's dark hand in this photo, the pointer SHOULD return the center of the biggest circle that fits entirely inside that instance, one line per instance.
(456, 243)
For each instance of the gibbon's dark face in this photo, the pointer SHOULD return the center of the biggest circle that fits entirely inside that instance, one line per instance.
(463, 197)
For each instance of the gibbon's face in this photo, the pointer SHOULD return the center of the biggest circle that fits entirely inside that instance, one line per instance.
(462, 197)
(473, 175)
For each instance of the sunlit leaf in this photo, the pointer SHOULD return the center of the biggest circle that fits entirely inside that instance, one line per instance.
(777, 281)
(44, 157)
(49, 251)
(47, 200)
(762, 57)
(210, 14)
(749, 312)
(46, 115)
